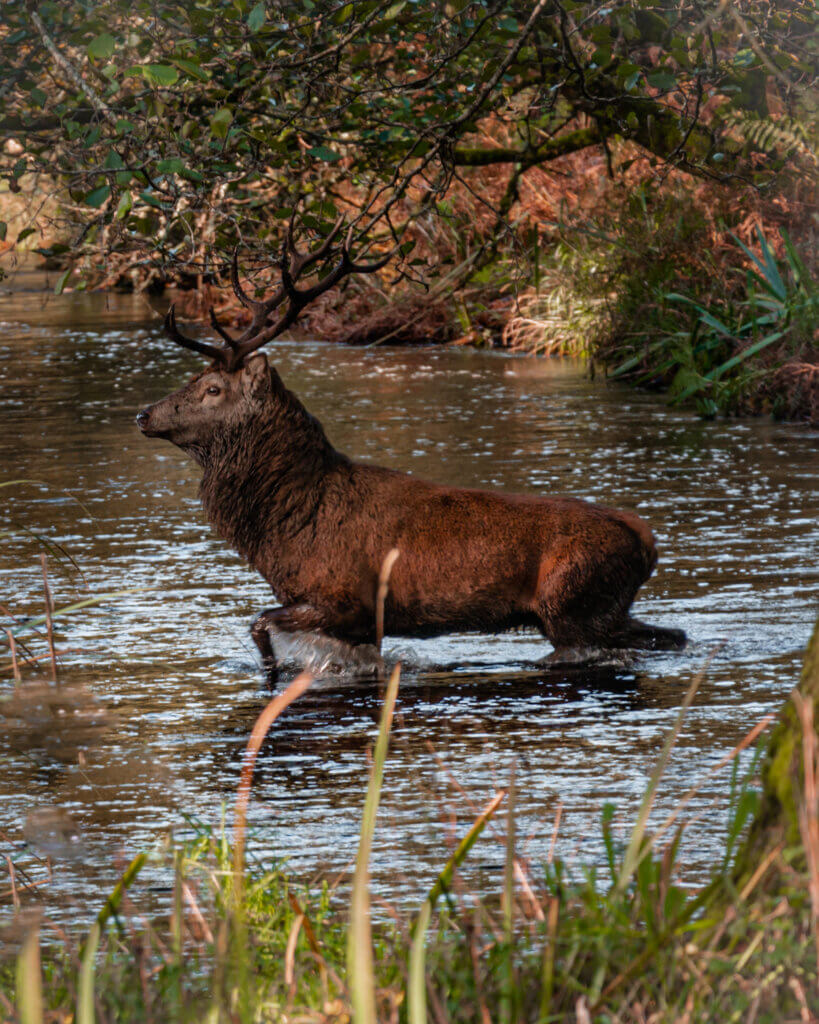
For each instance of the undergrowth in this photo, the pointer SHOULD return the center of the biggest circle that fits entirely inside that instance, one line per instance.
(627, 942)
(683, 290)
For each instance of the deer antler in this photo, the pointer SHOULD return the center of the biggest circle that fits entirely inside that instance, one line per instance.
(176, 335)
(292, 265)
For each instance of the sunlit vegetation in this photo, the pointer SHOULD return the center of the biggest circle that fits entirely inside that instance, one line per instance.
(548, 175)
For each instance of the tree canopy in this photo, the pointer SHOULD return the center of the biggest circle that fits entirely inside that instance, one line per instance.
(178, 130)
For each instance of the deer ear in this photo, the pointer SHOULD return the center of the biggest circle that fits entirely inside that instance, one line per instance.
(256, 373)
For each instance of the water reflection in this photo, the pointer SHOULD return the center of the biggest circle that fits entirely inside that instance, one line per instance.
(162, 689)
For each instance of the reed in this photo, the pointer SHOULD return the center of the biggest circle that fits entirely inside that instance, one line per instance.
(547, 947)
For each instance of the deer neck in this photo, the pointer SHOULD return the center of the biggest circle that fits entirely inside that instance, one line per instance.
(262, 483)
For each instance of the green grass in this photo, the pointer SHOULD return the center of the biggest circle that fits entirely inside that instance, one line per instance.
(243, 942)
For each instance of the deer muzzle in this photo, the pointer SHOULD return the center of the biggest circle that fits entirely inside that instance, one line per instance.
(147, 423)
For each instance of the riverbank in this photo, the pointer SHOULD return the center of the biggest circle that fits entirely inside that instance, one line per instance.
(629, 943)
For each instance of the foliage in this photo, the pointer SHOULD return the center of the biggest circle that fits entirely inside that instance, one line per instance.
(179, 129)
(676, 286)
(779, 307)
(715, 356)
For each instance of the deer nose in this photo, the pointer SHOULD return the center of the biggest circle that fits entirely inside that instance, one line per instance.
(142, 419)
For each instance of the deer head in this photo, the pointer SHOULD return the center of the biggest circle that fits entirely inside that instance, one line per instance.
(239, 380)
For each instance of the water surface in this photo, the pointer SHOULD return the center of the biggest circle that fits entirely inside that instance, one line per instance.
(160, 688)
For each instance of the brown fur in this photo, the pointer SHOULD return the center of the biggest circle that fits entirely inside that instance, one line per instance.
(318, 525)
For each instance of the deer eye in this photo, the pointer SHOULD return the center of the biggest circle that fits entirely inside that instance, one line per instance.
(213, 390)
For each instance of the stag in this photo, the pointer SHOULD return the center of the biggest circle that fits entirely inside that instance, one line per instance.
(318, 525)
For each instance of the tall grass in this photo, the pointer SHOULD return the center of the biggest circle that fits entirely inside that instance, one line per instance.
(244, 943)
(715, 356)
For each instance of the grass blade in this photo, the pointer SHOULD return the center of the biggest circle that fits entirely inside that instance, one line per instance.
(444, 880)
(416, 989)
(260, 730)
(68, 609)
(417, 977)
(29, 980)
(798, 269)
(360, 966)
(632, 857)
(111, 905)
(508, 1008)
(85, 982)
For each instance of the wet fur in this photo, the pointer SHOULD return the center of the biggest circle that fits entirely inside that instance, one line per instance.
(318, 525)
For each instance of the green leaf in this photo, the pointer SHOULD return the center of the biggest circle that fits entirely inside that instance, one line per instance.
(662, 80)
(102, 47)
(798, 268)
(159, 75)
(634, 361)
(256, 18)
(24, 234)
(192, 69)
(124, 206)
(324, 153)
(97, 197)
(173, 165)
(220, 122)
(150, 199)
(61, 281)
(3, 230)
(771, 278)
(632, 80)
(746, 353)
(394, 10)
(343, 14)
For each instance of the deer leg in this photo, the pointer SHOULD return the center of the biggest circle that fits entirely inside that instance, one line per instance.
(293, 618)
(302, 618)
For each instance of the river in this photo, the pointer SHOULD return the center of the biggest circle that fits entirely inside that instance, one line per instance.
(159, 688)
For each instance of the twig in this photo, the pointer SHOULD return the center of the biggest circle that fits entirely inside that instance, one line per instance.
(14, 896)
(15, 667)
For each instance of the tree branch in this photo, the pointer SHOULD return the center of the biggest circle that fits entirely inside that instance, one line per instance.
(476, 156)
(71, 72)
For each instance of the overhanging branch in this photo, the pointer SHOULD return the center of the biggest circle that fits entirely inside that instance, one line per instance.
(476, 156)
